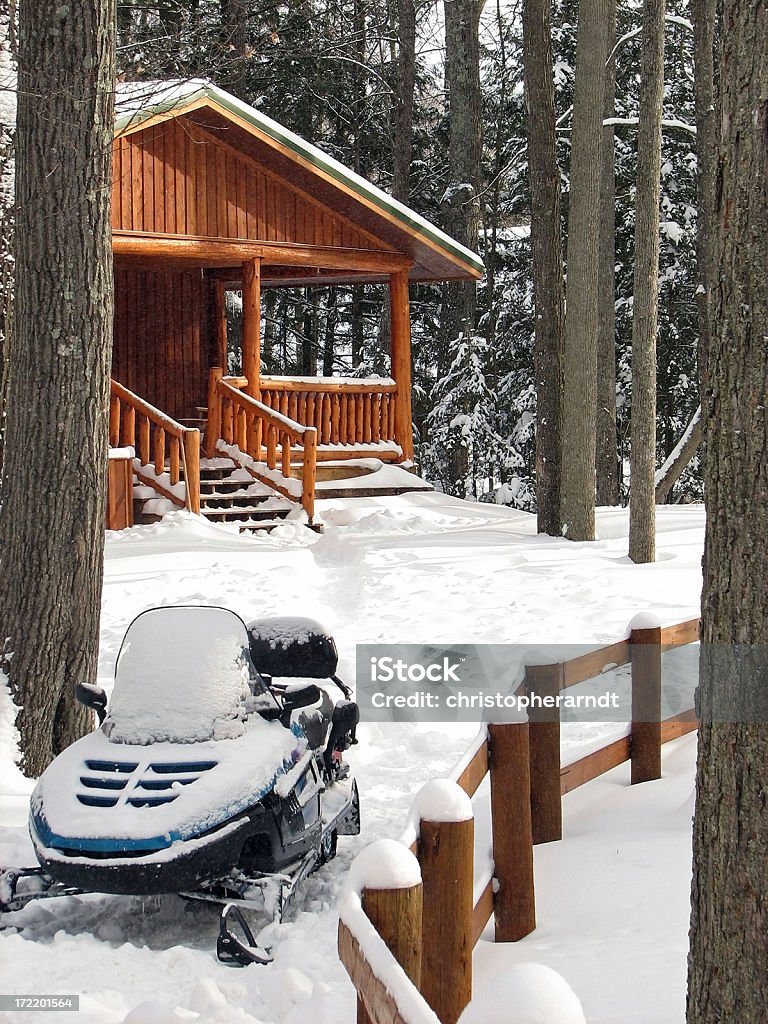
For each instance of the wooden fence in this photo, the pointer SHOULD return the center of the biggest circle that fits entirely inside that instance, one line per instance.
(259, 432)
(343, 412)
(527, 784)
(163, 447)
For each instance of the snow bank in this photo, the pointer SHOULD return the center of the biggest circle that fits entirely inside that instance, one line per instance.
(525, 994)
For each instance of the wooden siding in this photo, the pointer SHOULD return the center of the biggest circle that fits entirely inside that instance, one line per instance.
(160, 345)
(177, 178)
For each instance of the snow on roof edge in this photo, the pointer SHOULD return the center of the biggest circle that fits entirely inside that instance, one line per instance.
(167, 96)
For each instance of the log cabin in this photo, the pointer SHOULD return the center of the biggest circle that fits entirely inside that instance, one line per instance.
(210, 195)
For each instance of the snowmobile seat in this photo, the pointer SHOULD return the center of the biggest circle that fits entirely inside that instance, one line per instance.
(289, 647)
(316, 721)
(344, 720)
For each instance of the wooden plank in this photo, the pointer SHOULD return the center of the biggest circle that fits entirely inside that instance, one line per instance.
(593, 765)
(200, 182)
(591, 665)
(212, 184)
(241, 201)
(190, 184)
(474, 772)
(680, 634)
(378, 1000)
(482, 911)
(678, 726)
(147, 168)
(180, 173)
(169, 180)
(158, 178)
(251, 202)
(220, 192)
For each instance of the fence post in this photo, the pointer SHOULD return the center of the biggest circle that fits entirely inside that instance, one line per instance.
(191, 443)
(645, 742)
(514, 904)
(544, 743)
(396, 916)
(446, 856)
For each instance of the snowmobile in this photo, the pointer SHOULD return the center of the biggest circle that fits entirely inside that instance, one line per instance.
(216, 773)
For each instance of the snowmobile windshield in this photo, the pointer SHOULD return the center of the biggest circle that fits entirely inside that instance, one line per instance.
(182, 676)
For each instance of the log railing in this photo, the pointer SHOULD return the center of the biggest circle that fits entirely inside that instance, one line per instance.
(527, 786)
(344, 412)
(164, 448)
(263, 438)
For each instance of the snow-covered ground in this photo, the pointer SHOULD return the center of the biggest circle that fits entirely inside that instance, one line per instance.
(611, 899)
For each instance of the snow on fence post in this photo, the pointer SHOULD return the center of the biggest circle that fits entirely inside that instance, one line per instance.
(446, 855)
(382, 907)
(544, 741)
(645, 742)
(514, 904)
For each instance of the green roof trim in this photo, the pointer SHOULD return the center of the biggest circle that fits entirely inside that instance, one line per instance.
(139, 101)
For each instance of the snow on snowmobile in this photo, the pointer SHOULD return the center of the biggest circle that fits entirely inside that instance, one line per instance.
(216, 773)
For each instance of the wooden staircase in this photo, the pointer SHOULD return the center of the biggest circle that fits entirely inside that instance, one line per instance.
(228, 495)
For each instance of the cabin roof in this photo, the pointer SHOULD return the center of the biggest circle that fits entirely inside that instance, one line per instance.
(436, 255)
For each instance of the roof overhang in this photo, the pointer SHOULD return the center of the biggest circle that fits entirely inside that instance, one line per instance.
(433, 255)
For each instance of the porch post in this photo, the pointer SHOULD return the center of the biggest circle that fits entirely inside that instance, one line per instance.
(401, 359)
(252, 325)
(220, 316)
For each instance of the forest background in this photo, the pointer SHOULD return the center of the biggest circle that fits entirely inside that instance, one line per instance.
(368, 81)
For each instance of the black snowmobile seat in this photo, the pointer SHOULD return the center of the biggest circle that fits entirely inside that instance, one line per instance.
(289, 647)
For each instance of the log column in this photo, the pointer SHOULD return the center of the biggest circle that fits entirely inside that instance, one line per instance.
(220, 318)
(401, 359)
(252, 325)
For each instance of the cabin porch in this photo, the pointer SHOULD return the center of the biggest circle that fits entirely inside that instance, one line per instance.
(171, 344)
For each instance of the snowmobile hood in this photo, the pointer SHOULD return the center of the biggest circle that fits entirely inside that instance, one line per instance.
(111, 798)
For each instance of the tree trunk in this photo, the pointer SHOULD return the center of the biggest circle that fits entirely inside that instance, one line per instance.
(460, 205)
(577, 456)
(7, 167)
(728, 960)
(55, 462)
(642, 494)
(606, 456)
(547, 251)
(460, 209)
(703, 16)
(403, 100)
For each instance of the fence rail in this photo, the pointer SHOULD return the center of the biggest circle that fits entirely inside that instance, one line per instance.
(343, 413)
(527, 784)
(164, 448)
